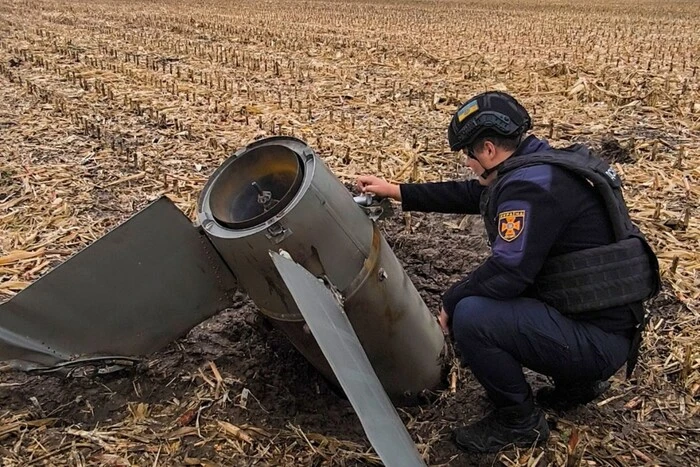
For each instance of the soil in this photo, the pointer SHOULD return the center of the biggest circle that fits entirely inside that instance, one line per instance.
(284, 389)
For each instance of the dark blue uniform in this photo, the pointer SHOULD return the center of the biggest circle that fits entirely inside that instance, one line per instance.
(542, 211)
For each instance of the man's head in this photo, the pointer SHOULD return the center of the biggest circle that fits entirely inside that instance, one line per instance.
(488, 128)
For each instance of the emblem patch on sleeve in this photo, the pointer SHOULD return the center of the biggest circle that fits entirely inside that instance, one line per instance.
(511, 224)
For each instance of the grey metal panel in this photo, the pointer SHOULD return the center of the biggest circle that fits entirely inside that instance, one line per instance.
(336, 337)
(130, 293)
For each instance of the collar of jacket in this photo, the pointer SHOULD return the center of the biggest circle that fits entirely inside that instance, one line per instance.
(529, 145)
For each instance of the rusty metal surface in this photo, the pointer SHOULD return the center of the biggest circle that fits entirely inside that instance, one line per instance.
(133, 291)
(399, 334)
(341, 347)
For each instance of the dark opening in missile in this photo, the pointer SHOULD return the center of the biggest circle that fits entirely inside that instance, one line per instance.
(257, 185)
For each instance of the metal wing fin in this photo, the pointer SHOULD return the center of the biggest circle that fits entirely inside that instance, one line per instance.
(142, 285)
(341, 347)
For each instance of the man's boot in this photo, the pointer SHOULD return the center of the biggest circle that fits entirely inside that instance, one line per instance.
(522, 425)
(566, 396)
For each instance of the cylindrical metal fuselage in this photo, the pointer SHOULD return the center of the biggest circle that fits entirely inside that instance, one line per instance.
(276, 194)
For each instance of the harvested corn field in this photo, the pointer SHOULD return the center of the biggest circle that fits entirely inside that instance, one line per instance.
(106, 106)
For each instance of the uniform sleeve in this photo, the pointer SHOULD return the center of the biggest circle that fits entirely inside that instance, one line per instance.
(448, 197)
(529, 221)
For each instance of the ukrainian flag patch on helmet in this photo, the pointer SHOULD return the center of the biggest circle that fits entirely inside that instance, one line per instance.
(467, 110)
(511, 224)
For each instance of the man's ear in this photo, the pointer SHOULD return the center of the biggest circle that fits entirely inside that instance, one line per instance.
(489, 149)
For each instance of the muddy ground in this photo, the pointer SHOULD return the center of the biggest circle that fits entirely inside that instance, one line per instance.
(285, 392)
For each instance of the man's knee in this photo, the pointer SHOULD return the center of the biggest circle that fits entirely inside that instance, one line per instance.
(470, 320)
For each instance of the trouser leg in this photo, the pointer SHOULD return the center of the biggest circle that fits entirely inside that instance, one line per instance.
(496, 338)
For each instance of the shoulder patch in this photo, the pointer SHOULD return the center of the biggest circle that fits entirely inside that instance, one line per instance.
(511, 224)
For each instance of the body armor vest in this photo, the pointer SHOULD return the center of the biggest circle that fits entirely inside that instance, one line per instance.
(624, 272)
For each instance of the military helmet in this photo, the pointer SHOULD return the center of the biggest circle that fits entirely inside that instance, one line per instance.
(493, 111)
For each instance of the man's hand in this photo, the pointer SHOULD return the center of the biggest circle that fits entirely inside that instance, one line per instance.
(443, 320)
(378, 186)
